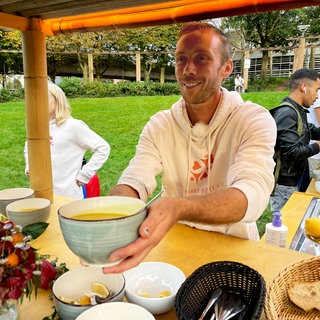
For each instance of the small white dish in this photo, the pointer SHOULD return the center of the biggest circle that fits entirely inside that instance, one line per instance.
(148, 284)
(117, 311)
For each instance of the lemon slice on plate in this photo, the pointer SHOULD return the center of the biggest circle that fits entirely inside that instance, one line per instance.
(100, 290)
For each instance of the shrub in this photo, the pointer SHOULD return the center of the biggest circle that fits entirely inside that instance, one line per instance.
(96, 89)
(7, 95)
(72, 87)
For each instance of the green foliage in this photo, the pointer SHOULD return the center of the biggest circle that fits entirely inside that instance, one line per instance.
(74, 88)
(266, 83)
(7, 95)
(95, 89)
(35, 229)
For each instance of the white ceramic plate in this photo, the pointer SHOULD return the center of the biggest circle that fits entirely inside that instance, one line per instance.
(116, 311)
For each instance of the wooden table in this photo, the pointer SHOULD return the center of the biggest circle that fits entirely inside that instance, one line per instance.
(184, 247)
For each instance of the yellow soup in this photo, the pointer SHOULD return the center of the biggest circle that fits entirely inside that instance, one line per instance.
(29, 210)
(97, 216)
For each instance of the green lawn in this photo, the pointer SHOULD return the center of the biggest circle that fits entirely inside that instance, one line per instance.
(117, 120)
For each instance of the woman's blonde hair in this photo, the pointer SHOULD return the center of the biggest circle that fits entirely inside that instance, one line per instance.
(63, 109)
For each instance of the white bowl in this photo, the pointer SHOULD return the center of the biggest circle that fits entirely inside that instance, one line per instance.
(76, 282)
(317, 186)
(116, 311)
(27, 211)
(94, 240)
(10, 195)
(153, 278)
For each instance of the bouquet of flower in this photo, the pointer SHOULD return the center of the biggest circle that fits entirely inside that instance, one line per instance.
(22, 270)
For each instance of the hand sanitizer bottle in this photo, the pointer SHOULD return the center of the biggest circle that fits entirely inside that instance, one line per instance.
(276, 232)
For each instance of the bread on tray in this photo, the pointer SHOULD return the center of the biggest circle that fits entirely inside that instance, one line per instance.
(305, 295)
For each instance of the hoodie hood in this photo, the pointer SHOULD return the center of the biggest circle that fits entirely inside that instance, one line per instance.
(200, 132)
(200, 136)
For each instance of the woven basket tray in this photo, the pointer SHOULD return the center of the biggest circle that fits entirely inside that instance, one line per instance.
(278, 304)
(234, 277)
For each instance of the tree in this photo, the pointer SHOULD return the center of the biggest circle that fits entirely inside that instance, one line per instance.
(264, 30)
(153, 41)
(10, 62)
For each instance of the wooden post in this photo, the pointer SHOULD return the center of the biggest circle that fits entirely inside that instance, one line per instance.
(299, 55)
(138, 62)
(37, 113)
(162, 75)
(90, 66)
(246, 69)
(270, 63)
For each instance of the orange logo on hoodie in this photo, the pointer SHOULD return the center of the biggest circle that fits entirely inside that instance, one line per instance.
(199, 169)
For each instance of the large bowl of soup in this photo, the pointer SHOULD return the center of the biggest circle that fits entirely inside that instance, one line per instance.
(94, 227)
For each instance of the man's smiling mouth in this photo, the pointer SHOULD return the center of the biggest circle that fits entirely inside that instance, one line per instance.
(191, 84)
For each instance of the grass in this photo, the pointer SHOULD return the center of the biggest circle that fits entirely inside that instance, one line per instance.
(118, 120)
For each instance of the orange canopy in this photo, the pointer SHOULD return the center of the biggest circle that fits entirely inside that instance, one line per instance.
(58, 16)
(35, 19)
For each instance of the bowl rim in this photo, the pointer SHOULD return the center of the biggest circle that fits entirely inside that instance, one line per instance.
(45, 205)
(156, 299)
(122, 303)
(89, 305)
(139, 211)
(32, 192)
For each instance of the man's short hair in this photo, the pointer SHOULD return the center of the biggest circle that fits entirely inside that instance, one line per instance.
(302, 75)
(202, 26)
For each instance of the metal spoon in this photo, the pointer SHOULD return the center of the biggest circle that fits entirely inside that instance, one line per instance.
(227, 307)
(96, 299)
(236, 311)
(150, 201)
(215, 295)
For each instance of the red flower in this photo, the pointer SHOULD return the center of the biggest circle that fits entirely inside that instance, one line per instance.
(21, 269)
(48, 274)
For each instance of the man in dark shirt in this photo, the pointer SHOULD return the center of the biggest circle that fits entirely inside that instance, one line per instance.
(293, 137)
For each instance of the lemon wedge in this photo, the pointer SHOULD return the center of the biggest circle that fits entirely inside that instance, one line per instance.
(85, 300)
(312, 227)
(144, 294)
(67, 300)
(100, 290)
(163, 294)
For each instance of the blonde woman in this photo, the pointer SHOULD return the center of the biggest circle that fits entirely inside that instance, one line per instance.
(70, 139)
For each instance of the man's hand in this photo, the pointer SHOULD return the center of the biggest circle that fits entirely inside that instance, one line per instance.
(161, 217)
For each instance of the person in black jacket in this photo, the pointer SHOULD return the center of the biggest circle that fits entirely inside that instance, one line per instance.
(292, 141)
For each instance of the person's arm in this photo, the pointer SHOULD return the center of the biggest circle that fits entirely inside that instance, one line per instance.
(26, 158)
(225, 206)
(293, 147)
(124, 190)
(317, 113)
(100, 148)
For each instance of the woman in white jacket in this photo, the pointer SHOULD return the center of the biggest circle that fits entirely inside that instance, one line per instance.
(70, 139)
(214, 151)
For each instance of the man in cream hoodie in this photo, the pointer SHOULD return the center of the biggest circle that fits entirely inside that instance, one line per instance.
(214, 151)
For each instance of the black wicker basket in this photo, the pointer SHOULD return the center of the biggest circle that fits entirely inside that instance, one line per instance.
(233, 277)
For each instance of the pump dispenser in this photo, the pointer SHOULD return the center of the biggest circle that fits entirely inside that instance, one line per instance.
(276, 232)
